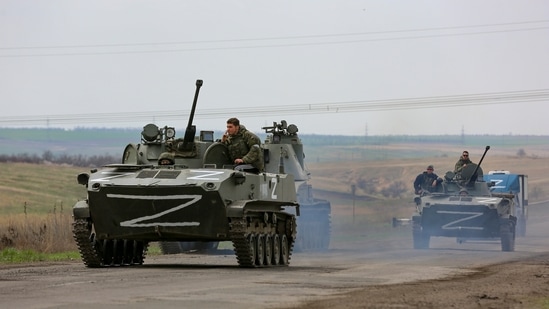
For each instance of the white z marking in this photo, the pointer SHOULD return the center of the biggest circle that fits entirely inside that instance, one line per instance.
(273, 195)
(496, 184)
(135, 222)
(453, 225)
(205, 175)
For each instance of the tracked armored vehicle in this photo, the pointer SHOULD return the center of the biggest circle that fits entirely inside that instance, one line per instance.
(170, 189)
(464, 207)
(314, 221)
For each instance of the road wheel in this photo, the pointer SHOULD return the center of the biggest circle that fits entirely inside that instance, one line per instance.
(507, 234)
(276, 250)
(260, 254)
(284, 250)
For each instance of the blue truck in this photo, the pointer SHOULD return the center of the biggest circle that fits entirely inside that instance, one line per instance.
(505, 182)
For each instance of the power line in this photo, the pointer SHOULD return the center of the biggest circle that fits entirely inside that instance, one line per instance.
(274, 45)
(276, 38)
(480, 99)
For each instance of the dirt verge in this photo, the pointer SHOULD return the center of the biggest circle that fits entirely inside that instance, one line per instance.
(520, 284)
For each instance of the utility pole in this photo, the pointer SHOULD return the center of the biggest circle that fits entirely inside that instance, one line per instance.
(353, 190)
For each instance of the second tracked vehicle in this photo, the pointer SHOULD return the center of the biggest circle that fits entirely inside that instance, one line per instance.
(314, 220)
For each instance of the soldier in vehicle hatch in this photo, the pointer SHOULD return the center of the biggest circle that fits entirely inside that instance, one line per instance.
(462, 162)
(244, 147)
(427, 180)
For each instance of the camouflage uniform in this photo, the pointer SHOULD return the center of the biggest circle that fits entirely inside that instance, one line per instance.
(459, 164)
(246, 146)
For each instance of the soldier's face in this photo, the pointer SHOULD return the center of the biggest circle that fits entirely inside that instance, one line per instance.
(232, 129)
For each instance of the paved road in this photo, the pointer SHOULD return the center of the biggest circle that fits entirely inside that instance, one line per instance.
(214, 281)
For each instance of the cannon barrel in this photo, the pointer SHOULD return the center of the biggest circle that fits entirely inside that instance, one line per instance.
(190, 131)
(478, 165)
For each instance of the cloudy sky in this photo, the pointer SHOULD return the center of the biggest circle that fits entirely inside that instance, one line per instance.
(332, 67)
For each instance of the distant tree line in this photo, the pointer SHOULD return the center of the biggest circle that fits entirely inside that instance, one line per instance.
(49, 157)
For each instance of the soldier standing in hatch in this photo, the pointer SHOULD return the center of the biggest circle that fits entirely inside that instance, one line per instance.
(244, 147)
(462, 162)
(427, 180)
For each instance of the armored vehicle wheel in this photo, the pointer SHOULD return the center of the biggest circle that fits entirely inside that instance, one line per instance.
(421, 238)
(252, 247)
(507, 234)
(268, 250)
(276, 250)
(128, 252)
(118, 251)
(106, 252)
(521, 227)
(284, 250)
(260, 252)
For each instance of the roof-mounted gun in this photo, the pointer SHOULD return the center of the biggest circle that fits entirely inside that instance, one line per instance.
(281, 130)
(474, 176)
(188, 139)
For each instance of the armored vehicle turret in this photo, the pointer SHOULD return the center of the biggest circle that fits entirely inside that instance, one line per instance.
(463, 206)
(170, 189)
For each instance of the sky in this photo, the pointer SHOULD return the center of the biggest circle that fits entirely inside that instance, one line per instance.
(336, 67)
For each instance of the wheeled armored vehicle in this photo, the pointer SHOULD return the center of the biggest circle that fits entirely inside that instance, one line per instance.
(463, 207)
(170, 189)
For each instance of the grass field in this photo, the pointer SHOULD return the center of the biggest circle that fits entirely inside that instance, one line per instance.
(39, 188)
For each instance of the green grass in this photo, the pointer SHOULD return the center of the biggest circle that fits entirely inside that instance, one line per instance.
(14, 256)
